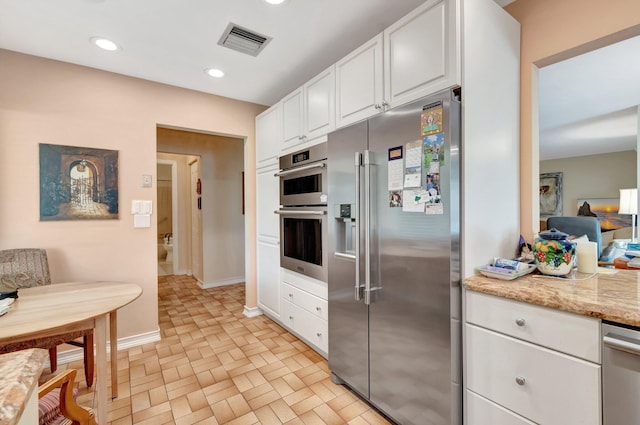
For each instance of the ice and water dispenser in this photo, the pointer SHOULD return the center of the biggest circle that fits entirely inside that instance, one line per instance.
(345, 229)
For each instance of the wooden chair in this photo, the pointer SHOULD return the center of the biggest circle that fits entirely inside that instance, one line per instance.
(59, 406)
(23, 268)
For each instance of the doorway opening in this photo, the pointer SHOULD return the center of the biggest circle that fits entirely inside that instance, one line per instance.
(206, 238)
(167, 215)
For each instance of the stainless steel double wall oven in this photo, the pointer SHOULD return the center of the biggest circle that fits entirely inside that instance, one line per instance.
(303, 212)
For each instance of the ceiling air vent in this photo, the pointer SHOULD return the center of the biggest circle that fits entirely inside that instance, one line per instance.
(243, 40)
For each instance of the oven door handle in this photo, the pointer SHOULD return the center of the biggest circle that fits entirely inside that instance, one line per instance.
(304, 212)
(622, 343)
(303, 168)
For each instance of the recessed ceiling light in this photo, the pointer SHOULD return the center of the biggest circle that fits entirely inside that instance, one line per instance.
(275, 2)
(104, 43)
(214, 72)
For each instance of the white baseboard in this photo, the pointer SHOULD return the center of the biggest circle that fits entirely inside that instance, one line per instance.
(123, 343)
(209, 285)
(252, 311)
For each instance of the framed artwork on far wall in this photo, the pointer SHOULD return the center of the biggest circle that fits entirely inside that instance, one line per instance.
(606, 211)
(550, 195)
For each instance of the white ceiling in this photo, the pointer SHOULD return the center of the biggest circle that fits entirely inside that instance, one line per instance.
(173, 41)
(589, 104)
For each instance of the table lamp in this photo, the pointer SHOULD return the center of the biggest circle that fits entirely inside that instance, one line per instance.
(629, 205)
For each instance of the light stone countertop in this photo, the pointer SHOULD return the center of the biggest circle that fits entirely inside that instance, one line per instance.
(614, 297)
(19, 373)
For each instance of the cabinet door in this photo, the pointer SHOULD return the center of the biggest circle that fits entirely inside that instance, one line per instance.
(420, 52)
(292, 118)
(267, 201)
(268, 276)
(314, 305)
(319, 104)
(569, 333)
(310, 328)
(481, 411)
(542, 385)
(359, 83)
(268, 138)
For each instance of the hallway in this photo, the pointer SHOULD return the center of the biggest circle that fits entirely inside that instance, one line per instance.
(216, 366)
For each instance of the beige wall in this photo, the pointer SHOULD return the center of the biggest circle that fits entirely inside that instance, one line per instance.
(45, 101)
(592, 176)
(221, 166)
(554, 30)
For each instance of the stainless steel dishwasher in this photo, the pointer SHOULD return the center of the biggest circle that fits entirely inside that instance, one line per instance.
(620, 374)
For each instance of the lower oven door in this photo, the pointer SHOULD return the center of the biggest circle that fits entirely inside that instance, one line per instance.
(303, 240)
(620, 374)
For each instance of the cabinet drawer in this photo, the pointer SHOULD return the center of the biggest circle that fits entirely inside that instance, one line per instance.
(481, 411)
(314, 305)
(566, 332)
(311, 328)
(544, 386)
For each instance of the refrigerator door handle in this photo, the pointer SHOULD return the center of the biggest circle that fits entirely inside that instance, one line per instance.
(357, 163)
(367, 226)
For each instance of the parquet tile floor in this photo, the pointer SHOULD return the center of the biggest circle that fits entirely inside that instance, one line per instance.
(216, 366)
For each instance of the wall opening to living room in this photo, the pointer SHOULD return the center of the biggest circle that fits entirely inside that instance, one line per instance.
(588, 127)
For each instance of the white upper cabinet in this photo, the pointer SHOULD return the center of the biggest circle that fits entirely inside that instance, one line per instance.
(416, 56)
(319, 104)
(309, 112)
(421, 53)
(268, 138)
(292, 121)
(359, 83)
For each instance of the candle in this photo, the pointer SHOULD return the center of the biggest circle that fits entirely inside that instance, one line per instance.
(587, 253)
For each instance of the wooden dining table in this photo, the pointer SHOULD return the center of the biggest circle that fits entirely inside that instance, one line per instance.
(50, 310)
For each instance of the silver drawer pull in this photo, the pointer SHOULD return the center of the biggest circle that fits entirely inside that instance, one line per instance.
(290, 295)
(318, 309)
(290, 317)
(520, 380)
(520, 322)
(318, 334)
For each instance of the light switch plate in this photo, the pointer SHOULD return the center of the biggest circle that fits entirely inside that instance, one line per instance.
(146, 180)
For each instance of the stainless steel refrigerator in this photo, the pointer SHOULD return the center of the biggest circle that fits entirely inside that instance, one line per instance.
(394, 279)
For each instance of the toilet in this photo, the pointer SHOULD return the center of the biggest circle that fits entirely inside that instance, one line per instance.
(169, 248)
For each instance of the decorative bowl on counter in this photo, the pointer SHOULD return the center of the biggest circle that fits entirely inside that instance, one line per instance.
(554, 252)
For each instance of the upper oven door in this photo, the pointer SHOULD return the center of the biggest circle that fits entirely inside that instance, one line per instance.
(304, 185)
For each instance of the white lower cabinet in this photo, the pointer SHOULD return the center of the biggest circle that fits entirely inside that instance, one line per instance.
(304, 309)
(306, 325)
(269, 276)
(513, 376)
(481, 411)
